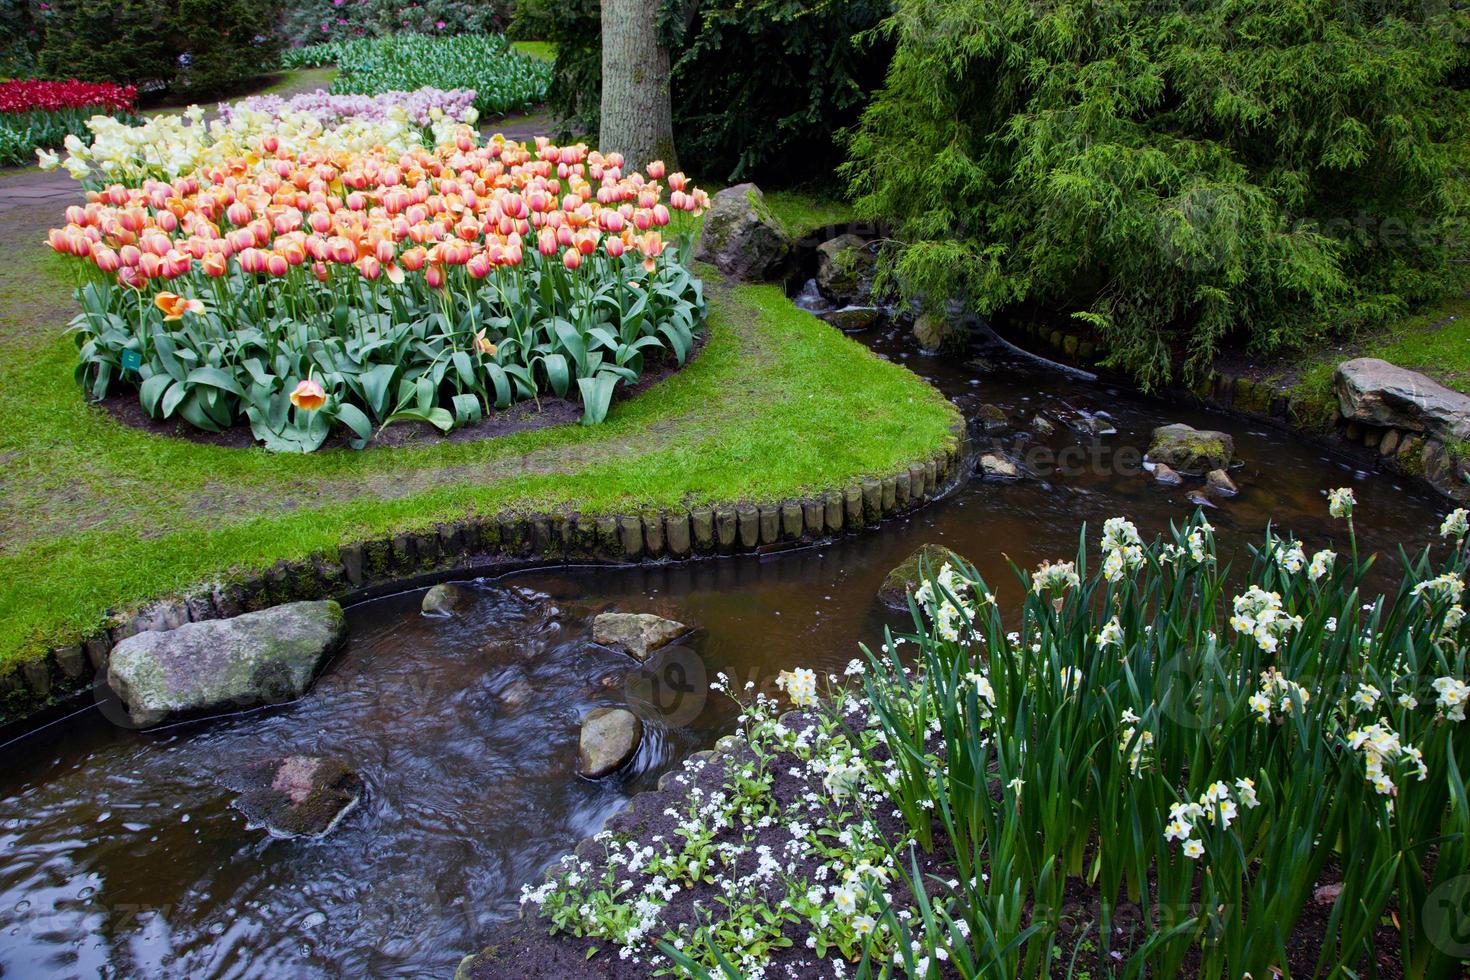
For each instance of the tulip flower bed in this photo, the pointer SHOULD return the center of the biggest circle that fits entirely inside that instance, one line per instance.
(300, 291)
(168, 146)
(40, 115)
(503, 80)
(1142, 771)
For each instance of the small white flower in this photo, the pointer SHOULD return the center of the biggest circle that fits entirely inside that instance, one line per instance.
(1340, 502)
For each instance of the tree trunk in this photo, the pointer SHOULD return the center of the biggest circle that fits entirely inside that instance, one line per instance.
(636, 116)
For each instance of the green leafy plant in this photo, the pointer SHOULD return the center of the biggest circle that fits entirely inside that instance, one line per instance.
(1254, 172)
(503, 80)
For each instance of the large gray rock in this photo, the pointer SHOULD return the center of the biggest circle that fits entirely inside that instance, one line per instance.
(907, 576)
(741, 236)
(609, 738)
(636, 634)
(1190, 450)
(845, 268)
(1383, 394)
(260, 658)
(296, 796)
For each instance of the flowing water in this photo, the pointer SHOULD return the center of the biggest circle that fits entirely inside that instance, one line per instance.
(120, 854)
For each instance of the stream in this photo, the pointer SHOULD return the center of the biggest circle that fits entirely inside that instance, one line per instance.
(120, 855)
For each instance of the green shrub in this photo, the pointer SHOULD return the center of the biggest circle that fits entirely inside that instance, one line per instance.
(1253, 170)
(759, 89)
(20, 38)
(309, 22)
(159, 44)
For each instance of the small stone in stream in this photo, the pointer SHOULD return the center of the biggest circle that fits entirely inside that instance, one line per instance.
(905, 578)
(934, 332)
(516, 693)
(852, 318)
(1219, 483)
(1043, 425)
(610, 737)
(979, 365)
(994, 466)
(1166, 475)
(636, 634)
(296, 796)
(1198, 498)
(1191, 451)
(993, 418)
(443, 599)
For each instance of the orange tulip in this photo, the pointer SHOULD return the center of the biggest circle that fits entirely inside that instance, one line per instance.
(308, 396)
(175, 306)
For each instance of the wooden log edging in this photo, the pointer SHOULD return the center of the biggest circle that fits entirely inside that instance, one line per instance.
(37, 691)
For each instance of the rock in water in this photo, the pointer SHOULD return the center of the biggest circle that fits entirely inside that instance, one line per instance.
(904, 579)
(636, 634)
(1189, 450)
(443, 599)
(853, 317)
(1383, 394)
(741, 236)
(845, 267)
(994, 466)
(259, 658)
(934, 332)
(1198, 498)
(993, 419)
(1166, 475)
(1219, 483)
(610, 737)
(296, 796)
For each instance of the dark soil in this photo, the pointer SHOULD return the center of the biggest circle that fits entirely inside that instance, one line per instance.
(523, 416)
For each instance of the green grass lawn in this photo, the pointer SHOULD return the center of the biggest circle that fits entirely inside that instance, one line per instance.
(98, 517)
(544, 50)
(1435, 342)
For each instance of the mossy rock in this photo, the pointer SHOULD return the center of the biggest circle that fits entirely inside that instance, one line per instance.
(741, 236)
(259, 658)
(1191, 451)
(904, 579)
